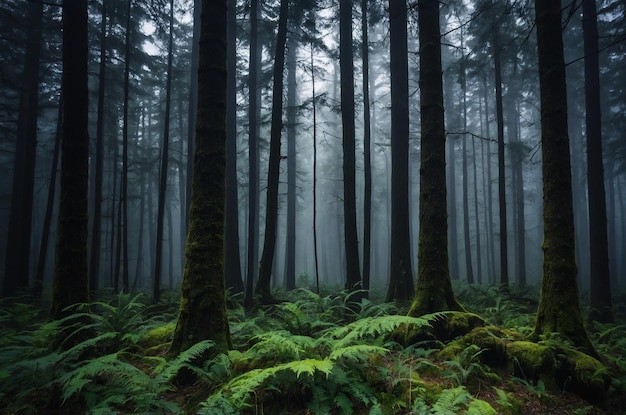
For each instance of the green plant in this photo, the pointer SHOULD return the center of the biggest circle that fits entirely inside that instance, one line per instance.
(463, 365)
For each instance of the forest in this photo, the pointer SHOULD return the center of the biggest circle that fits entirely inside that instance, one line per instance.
(313, 207)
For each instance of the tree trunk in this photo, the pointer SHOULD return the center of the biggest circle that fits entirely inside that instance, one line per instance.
(367, 153)
(488, 198)
(156, 293)
(203, 314)
(290, 243)
(315, 255)
(232, 260)
(504, 260)
(124, 185)
(253, 153)
(600, 307)
(193, 105)
(271, 214)
(469, 270)
(17, 261)
(434, 290)
(559, 308)
(400, 273)
(346, 67)
(71, 282)
(453, 247)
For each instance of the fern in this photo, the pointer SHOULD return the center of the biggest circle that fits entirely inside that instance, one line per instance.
(451, 401)
(377, 327)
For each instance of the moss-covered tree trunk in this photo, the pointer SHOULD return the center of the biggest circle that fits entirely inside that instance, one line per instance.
(70, 284)
(203, 301)
(434, 290)
(559, 309)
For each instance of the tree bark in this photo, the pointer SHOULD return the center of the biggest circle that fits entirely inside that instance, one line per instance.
(600, 307)
(290, 242)
(203, 314)
(71, 283)
(271, 214)
(504, 260)
(367, 152)
(559, 307)
(434, 290)
(346, 68)
(400, 273)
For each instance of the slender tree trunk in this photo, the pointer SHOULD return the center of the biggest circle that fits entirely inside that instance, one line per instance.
(193, 103)
(504, 261)
(253, 155)
(181, 182)
(434, 289)
(400, 273)
(290, 240)
(479, 264)
(71, 280)
(124, 191)
(94, 261)
(271, 214)
(232, 260)
(453, 246)
(315, 255)
(466, 228)
(156, 294)
(600, 307)
(559, 307)
(17, 260)
(203, 314)
(367, 152)
(47, 222)
(346, 67)
(142, 206)
(489, 199)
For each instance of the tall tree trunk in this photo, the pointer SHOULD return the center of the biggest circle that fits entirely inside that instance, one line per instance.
(400, 272)
(559, 307)
(469, 270)
(193, 103)
(156, 294)
(317, 275)
(346, 67)
(232, 260)
(47, 222)
(71, 281)
(253, 153)
(479, 264)
(203, 314)
(504, 260)
(124, 185)
(94, 260)
(290, 240)
(489, 199)
(273, 175)
(367, 152)
(182, 181)
(600, 307)
(453, 246)
(434, 289)
(17, 261)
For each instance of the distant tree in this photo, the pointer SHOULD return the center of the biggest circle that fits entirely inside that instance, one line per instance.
(559, 308)
(123, 219)
(400, 273)
(203, 312)
(600, 307)
(290, 239)
(434, 289)
(70, 281)
(253, 153)
(271, 214)
(367, 151)
(232, 259)
(17, 261)
(346, 67)
(156, 292)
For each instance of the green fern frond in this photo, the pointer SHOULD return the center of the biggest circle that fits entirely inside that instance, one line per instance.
(171, 369)
(373, 327)
(479, 407)
(451, 401)
(357, 352)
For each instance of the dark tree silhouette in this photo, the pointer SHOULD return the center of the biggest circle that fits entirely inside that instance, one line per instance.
(70, 282)
(273, 175)
(400, 273)
(434, 290)
(203, 299)
(559, 308)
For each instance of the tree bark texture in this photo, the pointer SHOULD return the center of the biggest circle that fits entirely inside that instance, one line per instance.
(434, 290)
(559, 308)
(203, 312)
(70, 282)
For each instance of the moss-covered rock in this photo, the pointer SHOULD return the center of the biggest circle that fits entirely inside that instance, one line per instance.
(493, 341)
(444, 327)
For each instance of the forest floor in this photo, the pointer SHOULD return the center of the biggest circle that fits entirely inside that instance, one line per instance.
(306, 354)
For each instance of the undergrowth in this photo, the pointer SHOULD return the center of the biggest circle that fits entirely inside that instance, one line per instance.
(312, 354)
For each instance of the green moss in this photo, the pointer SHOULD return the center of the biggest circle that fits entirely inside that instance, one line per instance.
(158, 336)
(532, 361)
(445, 327)
(582, 374)
(493, 341)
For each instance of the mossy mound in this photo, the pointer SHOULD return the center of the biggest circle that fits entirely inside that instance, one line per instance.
(158, 337)
(443, 327)
(491, 340)
(582, 374)
(532, 362)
